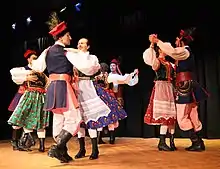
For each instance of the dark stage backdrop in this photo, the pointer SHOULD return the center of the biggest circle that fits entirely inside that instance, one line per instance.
(125, 33)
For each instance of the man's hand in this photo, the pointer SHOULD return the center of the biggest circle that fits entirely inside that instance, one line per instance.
(31, 78)
(153, 38)
(136, 71)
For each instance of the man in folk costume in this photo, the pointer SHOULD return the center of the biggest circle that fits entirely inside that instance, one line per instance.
(189, 92)
(60, 96)
(116, 80)
(29, 55)
(29, 113)
(93, 109)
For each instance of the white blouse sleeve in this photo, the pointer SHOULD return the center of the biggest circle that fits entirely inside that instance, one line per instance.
(150, 58)
(39, 64)
(19, 75)
(179, 53)
(84, 62)
(129, 79)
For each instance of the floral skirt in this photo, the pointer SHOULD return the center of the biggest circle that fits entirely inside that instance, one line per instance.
(117, 112)
(161, 109)
(29, 113)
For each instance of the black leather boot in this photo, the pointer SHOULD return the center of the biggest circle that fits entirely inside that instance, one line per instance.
(100, 141)
(82, 150)
(162, 146)
(197, 142)
(23, 143)
(41, 145)
(15, 139)
(95, 150)
(58, 151)
(30, 141)
(66, 155)
(172, 144)
(112, 137)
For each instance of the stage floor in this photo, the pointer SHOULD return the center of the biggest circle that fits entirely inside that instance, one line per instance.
(127, 153)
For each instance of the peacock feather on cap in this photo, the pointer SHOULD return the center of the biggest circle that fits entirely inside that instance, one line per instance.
(53, 20)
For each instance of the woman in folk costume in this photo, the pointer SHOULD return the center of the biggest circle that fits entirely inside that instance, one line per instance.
(29, 112)
(60, 96)
(115, 81)
(161, 109)
(92, 108)
(189, 92)
(29, 55)
(102, 89)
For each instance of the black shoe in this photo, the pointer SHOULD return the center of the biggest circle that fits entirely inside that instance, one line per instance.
(95, 150)
(23, 143)
(66, 155)
(162, 146)
(100, 141)
(41, 145)
(112, 137)
(82, 150)
(197, 142)
(172, 144)
(58, 151)
(15, 139)
(14, 144)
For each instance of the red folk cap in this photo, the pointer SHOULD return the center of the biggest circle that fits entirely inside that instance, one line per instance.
(185, 35)
(115, 61)
(58, 29)
(28, 53)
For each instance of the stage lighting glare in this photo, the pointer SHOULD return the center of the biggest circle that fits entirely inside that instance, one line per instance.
(14, 26)
(29, 20)
(63, 9)
(77, 6)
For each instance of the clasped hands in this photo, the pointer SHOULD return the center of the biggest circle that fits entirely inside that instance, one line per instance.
(153, 38)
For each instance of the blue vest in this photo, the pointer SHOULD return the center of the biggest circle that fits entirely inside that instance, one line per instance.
(27, 68)
(186, 65)
(57, 62)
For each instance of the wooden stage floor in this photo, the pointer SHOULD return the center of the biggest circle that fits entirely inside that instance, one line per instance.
(127, 153)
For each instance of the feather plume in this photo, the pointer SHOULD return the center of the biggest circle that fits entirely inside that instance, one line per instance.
(189, 32)
(53, 20)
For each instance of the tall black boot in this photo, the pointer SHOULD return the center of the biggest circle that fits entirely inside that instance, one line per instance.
(23, 142)
(95, 150)
(30, 141)
(100, 141)
(41, 145)
(58, 150)
(15, 139)
(112, 137)
(82, 150)
(197, 142)
(172, 144)
(162, 146)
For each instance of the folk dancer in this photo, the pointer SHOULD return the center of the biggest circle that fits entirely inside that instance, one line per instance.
(189, 92)
(94, 111)
(29, 113)
(102, 88)
(29, 55)
(116, 80)
(161, 109)
(60, 96)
